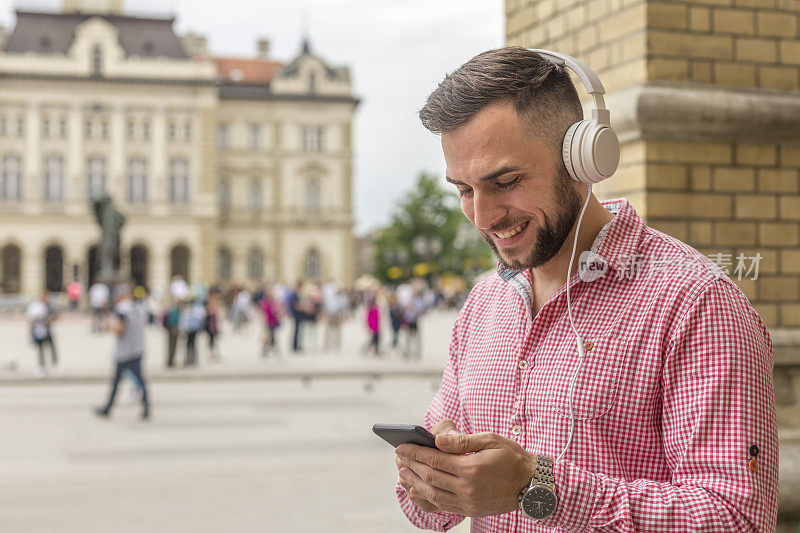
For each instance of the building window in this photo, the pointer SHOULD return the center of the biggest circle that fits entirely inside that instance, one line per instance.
(224, 264)
(20, 126)
(256, 264)
(146, 130)
(96, 176)
(222, 136)
(312, 266)
(312, 82)
(87, 130)
(97, 61)
(255, 195)
(171, 131)
(224, 192)
(304, 140)
(3, 126)
(312, 194)
(53, 178)
(187, 131)
(137, 180)
(312, 138)
(179, 181)
(11, 187)
(46, 127)
(62, 127)
(104, 129)
(319, 139)
(131, 132)
(255, 137)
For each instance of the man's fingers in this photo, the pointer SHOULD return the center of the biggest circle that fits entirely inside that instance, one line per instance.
(443, 426)
(431, 476)
(432, 494)
(431, 457)
(464, 443)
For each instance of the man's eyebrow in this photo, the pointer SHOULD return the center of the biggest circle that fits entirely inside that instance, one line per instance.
(496, 174)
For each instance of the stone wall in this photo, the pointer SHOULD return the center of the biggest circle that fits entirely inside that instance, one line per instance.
(704, 96)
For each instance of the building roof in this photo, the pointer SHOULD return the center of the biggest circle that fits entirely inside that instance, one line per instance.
(54, 32)
(246, 71)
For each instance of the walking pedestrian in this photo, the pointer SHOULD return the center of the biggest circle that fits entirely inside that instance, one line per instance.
(130, 319)
(74, 293)
(41, 315)
(171, 321)
(193, 317)
(374, 327)
(98, 301)
(211, 324)
(272, 312)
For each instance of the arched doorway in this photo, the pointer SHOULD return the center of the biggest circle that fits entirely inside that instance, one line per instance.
(179, 261)
(139, 258)
(11, 263)
(92, 264)
(54, 268)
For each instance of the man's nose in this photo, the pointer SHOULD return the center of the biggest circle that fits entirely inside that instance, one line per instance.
(487, 211)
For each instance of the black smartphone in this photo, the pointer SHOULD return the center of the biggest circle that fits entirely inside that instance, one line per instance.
(397, 434)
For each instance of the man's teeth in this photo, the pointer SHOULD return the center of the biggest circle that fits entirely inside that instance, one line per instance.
(511, 233)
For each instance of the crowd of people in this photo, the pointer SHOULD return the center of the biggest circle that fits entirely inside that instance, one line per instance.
(193, 313)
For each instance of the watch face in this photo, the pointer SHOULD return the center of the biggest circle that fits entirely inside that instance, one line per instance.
(539, 502)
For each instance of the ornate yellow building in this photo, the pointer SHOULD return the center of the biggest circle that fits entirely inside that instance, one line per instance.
(226, 169)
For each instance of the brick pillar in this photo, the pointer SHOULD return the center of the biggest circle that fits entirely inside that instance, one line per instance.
(705, 98)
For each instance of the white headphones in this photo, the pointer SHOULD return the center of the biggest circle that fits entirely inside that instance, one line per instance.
(591, 148)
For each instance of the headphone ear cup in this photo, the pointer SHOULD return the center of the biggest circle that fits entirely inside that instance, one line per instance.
(590, 151)
(568, 153)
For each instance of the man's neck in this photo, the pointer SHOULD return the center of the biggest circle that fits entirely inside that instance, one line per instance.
(548, 278)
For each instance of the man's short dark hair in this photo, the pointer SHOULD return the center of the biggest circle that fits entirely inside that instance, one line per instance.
(542, 93)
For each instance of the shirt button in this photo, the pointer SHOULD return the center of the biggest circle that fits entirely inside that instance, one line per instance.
(516, 430)
(588, 346)
(523, 364)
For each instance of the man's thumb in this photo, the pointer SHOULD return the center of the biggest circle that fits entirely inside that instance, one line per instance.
(462, 443)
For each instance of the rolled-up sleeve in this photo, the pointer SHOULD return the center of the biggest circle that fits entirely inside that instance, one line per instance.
(444, 405)
(718, 402)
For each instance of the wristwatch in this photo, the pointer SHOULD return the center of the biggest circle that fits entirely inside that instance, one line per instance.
(539, 500)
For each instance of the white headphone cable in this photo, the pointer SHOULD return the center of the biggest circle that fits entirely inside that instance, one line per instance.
(578, 339)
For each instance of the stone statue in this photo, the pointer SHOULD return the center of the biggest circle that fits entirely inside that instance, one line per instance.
(111, 222)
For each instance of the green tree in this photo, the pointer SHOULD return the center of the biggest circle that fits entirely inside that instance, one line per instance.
(428, 236)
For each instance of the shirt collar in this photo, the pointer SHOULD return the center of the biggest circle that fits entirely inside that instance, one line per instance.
(615, 244)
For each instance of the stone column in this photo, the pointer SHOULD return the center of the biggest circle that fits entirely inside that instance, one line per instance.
(33, 187)
(158, 160)
(117, 179)
(76, 156)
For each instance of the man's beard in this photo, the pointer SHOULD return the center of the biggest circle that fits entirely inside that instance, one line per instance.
(550, 237)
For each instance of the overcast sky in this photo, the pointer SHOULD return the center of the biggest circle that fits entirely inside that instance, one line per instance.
(397, 52)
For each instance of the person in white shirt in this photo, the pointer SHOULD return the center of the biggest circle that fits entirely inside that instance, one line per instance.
(41, 315)
(98, 301)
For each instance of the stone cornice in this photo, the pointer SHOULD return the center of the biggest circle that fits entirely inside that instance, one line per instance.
(704, 114)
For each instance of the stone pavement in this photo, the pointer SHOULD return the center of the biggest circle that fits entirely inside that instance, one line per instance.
(86, 357)
(242, 445)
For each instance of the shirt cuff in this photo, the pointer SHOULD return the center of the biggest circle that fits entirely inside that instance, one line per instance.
(423, 520)
(577, 491)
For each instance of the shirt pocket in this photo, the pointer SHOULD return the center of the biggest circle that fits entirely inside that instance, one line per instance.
(597, 385)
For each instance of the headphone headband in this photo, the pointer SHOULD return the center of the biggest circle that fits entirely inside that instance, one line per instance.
(591, 147)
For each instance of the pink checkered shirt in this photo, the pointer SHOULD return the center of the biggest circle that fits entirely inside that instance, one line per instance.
(674, 392)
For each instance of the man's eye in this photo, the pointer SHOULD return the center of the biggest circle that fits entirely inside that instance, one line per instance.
(507, 184)
(464, 192)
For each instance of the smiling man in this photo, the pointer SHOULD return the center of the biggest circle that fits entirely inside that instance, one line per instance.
(663, 420)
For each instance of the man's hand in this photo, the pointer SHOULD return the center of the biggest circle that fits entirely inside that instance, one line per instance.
(444, 426)
(485, 481)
